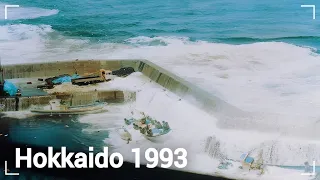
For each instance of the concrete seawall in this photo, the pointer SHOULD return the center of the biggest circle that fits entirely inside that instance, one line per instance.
(170, 81)
(49, 69)
(190, 92)
(75, 99)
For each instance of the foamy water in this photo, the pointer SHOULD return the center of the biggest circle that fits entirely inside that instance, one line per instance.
(275, 83)
(191, 129)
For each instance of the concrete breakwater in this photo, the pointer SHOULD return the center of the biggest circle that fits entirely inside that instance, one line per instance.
(163, 77)
(75, 99)
(52, 68)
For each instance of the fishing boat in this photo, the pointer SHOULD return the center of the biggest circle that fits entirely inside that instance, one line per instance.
(55, 107)
(148, 127)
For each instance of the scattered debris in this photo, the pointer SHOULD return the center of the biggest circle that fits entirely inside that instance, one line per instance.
(56, 80)
(45, 86)
(92, 78)
(251, 163)
(99, 76)
(148, 126)
(225, 165)
(246, 160)
(18, 92)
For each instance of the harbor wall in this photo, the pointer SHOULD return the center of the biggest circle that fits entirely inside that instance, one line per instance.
(183, 88)
(49, 69)
(75, 99)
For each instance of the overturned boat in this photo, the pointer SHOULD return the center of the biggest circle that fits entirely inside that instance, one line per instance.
(55, 107)
(148, 127)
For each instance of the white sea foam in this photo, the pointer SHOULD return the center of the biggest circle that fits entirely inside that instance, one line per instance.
(190, 131)
(18, 115)
(275, 84)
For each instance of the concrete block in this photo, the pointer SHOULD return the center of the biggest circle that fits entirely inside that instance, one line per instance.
(10, 104)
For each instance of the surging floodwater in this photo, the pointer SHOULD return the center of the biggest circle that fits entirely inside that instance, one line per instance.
(191, 128)
(261, 57)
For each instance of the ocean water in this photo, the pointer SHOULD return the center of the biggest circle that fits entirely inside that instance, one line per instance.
(261, 57)
(117, 22)
(225, 21)
(45, 131)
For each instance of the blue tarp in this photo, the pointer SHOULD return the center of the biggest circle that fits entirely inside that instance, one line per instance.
(65, 79)
(10, 88)
(247, 159)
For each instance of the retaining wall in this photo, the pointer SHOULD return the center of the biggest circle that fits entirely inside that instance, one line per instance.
(165, 78)
(189, 91)
(48, 69)
(75, 99)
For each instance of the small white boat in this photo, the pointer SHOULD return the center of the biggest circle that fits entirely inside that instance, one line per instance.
(55, 107)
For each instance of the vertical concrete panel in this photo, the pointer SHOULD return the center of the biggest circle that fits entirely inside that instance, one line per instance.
(155, 74)
(83, 98)
(10, 104)
(129, 63)
(105, 96)
(163, 79)
(38, 71)
(140, 66)
(50, 69)
(26, 102)
(119, 95)
(146, 70)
